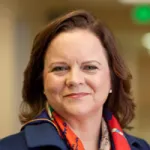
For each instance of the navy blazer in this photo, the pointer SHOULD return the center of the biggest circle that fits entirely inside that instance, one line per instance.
(41, 134)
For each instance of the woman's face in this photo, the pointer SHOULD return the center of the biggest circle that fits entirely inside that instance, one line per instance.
(76, 74)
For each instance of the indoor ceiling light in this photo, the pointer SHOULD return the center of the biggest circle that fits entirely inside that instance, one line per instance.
(146, 41)
(134, 1)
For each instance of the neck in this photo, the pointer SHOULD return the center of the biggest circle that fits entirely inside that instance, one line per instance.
(87, 129)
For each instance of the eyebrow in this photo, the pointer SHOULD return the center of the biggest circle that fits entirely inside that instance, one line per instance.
(91, 61)
(62, 62)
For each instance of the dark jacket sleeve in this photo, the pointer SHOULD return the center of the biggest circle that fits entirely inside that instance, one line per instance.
(144, 145)
(137, 143)
(13, 142)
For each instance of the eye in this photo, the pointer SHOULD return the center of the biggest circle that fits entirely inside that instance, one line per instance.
(90, 67)
(60, 68)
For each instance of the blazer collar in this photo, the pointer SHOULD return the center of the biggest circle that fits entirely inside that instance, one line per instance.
(41, 132)
(134, 142)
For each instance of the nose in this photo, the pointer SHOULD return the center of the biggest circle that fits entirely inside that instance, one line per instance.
(75, 77)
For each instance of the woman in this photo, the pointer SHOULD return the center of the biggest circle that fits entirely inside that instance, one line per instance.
(76, 90)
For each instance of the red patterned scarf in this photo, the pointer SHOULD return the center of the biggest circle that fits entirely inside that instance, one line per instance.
(110, 127)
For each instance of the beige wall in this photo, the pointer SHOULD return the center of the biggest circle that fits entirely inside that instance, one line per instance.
(7, 82)
(17, 29)
(144, 95)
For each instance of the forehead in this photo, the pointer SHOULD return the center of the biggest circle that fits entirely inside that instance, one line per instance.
(77, 44)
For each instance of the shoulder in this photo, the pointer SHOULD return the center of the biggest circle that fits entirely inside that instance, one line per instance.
(137, 143)
(34, 137)
(13, 142)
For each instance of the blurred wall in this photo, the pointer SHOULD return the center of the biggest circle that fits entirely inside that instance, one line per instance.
(7, 75)
(144, 94)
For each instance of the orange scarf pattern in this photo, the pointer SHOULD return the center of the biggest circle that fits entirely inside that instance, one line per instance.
(74, 143)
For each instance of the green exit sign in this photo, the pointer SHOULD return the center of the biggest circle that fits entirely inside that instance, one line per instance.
(141, 14)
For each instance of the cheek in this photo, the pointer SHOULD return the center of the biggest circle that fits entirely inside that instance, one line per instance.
(101, 84)
(52, 86)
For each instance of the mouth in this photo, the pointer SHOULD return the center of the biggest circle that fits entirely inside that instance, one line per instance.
(76, 95)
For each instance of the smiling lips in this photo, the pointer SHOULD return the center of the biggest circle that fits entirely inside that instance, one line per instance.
(76, 95)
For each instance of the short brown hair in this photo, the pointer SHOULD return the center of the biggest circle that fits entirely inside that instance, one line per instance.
(119, 102)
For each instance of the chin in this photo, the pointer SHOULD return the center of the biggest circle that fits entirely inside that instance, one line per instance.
(79, 112)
